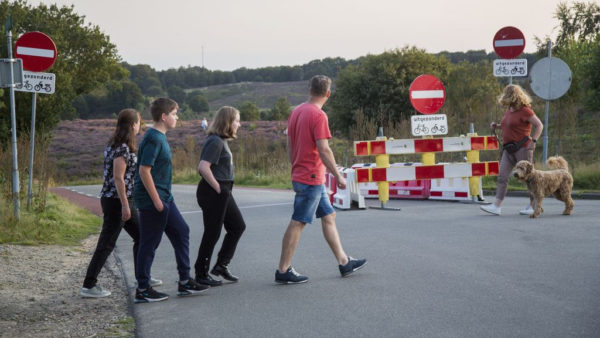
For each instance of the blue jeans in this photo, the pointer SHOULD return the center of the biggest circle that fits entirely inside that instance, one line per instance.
(152, 226)
(310, 200)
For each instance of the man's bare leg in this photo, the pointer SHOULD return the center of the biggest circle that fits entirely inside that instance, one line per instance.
(333, 238)
(289, 244)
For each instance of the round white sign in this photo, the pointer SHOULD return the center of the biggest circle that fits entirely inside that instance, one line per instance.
(550, 78)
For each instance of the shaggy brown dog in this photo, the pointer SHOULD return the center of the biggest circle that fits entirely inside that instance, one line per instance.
(557, 182)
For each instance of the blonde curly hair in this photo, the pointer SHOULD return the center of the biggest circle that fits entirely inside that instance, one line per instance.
(514, 97)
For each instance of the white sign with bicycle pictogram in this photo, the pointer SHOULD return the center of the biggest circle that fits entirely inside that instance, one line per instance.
(423, 125)
(512, 67)
(34, 82)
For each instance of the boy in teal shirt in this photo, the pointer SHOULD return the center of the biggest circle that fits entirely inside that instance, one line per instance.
(157, 210)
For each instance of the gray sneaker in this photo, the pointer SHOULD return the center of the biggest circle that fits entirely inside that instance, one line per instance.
(153, 282)
(95, 292)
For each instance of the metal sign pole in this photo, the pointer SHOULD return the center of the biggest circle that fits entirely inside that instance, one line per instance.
(31, 150)
(13, 118)
(545, 149)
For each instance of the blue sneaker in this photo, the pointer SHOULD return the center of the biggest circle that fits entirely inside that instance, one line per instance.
(351, 266)
(290, 277)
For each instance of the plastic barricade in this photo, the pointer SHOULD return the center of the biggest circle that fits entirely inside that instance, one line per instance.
(451, 189)
(344, 198)
(413, 189)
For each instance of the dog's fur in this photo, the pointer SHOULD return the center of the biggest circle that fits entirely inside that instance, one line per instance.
(557, 182)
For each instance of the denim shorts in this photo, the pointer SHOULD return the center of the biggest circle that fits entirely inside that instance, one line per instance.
(310, 200)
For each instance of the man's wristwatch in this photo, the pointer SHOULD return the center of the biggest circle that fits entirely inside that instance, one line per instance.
(534, 140)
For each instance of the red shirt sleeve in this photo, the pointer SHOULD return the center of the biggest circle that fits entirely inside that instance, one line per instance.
(321, 130)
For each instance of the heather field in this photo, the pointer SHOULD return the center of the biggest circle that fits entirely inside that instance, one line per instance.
(260, 155)
(77, 146)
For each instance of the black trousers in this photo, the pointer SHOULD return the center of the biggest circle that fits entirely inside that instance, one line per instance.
(111, 228)
(218, 210)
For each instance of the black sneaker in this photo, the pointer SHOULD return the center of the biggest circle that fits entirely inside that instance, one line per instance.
(208, 280)
(190, 288)
(351, 266)
(290, 277)
(149, 295)
(223, 271)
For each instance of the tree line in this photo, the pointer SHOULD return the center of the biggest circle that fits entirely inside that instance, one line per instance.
(181, 84)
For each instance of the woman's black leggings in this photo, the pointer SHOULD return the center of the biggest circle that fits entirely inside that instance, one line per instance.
(218, 210)
(111, 228)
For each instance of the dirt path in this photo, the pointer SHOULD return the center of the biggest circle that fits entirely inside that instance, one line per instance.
(39, 289)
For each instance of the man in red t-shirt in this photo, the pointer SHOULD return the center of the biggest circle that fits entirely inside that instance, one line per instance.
(309, 153)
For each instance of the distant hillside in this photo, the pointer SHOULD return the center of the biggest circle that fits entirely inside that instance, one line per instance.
(264, 94)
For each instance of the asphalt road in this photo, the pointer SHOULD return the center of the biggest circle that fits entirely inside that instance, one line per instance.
(436, 269)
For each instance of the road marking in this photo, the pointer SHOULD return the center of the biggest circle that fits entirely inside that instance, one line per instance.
(245, 207)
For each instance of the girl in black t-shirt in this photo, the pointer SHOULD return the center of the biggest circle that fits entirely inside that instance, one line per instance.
(214, 197)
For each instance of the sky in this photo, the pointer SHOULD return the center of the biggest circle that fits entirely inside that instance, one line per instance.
(230, 34)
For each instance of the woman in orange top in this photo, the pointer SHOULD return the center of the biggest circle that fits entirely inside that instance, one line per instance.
(516, 126)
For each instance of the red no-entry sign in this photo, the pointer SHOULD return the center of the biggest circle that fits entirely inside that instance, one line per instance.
(509, 42)
(427, 94)
(37, 51)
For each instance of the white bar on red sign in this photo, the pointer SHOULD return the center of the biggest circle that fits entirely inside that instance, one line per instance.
(458, 170)
(45, 53)
(509, 43)
(427, 94)
(457, 143)
(405, 146)
(401, 174)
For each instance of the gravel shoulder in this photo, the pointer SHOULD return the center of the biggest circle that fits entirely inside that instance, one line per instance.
(39, 293)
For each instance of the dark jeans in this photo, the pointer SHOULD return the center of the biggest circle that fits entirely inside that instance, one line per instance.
(152, 226)
(218, 210)
(111, 228)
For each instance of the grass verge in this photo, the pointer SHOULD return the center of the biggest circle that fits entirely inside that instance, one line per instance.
(61, 223)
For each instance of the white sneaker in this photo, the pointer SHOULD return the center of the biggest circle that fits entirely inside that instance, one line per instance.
(527, 211)
(155, 282)
(492, 209)
(95, 292)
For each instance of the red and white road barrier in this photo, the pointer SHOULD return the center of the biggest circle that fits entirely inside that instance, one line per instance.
(452, 189)
(427, 172)
(414, 146)
(413, 189)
